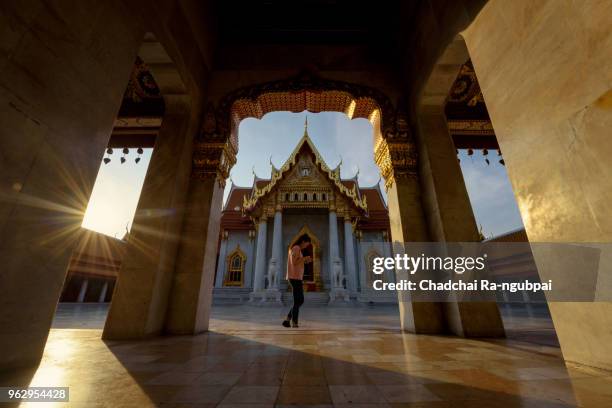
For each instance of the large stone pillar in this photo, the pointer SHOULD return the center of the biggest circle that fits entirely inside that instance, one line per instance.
(277, 248)
(397, 160)
(349, 256)
(141, 294)
(553, 128)
(450, 217)
(221, 265)
(260, 255)
(191, 295)
(52, 141)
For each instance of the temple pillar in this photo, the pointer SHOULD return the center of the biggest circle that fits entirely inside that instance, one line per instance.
(349, 256)
(334, 251)
(397, 160)
(554, 133)
(260, 255)
(337, 272)
(52, 140)
(103, 291)
(140, 298)
(191, 294)
(450, 217)
(222, 267)
(83, 291)
(277, 248)
(190, 298)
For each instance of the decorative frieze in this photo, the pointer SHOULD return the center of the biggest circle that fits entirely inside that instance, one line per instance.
(396, 159)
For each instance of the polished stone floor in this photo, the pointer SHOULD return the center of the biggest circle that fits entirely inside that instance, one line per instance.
(338, 357)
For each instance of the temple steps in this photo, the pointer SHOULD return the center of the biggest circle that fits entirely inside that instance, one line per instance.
(230, 295)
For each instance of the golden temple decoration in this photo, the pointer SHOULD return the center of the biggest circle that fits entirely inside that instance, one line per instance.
(311, 190)
(213, 159)
(396, 159)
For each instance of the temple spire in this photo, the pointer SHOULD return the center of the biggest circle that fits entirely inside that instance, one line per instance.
(306, 126)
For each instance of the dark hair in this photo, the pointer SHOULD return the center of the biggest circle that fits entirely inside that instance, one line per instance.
(303, 238)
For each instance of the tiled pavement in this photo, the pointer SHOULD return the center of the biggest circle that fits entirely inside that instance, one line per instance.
(322, 364)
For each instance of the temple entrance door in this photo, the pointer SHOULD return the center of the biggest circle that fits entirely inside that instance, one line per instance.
(312, 271)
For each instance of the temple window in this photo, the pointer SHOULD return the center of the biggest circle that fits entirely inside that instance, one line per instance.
(296, 197)
(314, 197)
(323, 197)
(286, 196)
(305, 196)
(235, 268)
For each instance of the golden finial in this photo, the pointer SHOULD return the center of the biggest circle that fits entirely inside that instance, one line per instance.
(306, 126)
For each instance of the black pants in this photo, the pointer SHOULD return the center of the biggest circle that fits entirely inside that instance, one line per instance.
(298, 299)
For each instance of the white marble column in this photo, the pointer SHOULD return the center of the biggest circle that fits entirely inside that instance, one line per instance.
(83, 291)
(260, 255)
(338, 292)
(349, 256)
(221, 267)
(277, 248)
(334, 252)
(102, 296)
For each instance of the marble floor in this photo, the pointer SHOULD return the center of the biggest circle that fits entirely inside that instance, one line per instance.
(338, 357)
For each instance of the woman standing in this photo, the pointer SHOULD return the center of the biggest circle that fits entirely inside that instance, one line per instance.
(295, 275)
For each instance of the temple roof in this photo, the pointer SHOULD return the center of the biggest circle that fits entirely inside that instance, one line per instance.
(348, 188)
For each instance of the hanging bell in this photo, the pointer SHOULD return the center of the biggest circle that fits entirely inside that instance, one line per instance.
(485, 152)
(499, 152)
(122, 160)
(140, 151)
(137, 160)
(470, 152)
(126, 150)
(487, 161)
(109, 150)
(502, 162)
(106, 160)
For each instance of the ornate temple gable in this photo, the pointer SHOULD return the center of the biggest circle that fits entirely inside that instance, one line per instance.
(305, 181)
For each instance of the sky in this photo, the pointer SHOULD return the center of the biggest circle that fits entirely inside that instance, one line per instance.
(115, 195)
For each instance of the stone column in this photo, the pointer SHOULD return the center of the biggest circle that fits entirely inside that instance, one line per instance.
(192, 285)
(102, 296)
(338, 292)
(48, 168)
(349, 256)
(277, 248)
(397, 160)
(361, 266)
(334, 252)
(140, 299)
(260, 255)
(83, 290)
(222, 267)
(450, 217)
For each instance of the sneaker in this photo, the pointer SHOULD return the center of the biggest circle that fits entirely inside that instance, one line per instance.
(294, 324)
(286, 323)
